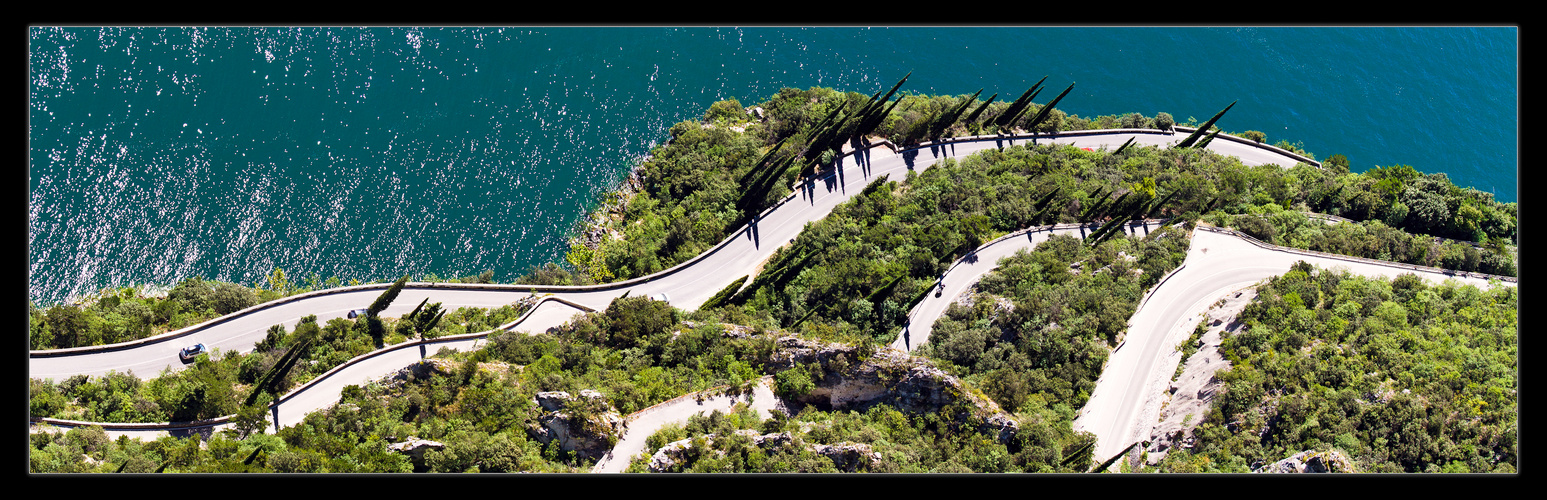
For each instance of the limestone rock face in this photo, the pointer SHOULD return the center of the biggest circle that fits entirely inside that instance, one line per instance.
(1311, 461)
(849, 457)
(415, 448)
(586, 425)
(887, 377)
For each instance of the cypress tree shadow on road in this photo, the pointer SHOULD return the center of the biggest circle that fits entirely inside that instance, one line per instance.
(838, 172)
(863, 158)
(752, 233)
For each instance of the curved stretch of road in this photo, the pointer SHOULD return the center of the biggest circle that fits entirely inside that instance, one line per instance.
(645, 422)
(1217, 264)
(968, 270)
(687, 285)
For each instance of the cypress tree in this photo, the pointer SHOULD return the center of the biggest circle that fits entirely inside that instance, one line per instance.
(1092, 209)
(1115, 204)
(1019, 104)
(1042, 114)
(1042, 203)
(1077, 454)
(896, 86)
(981, 107)
(1124, 146)
(1110, 461)
(433, 322)
(762, 162)
(887, 288)
(725, 293)
(949, 117)
(415, 312)
(919, 297)
(1161, 203)
(385, 299)
(1206, 140)
(871, 116)
(1010, 118)
(1192, 138)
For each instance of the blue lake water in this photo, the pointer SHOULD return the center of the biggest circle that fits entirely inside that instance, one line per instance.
(163, 153)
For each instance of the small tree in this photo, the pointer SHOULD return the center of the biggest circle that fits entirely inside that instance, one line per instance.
(1255, 136)
(1198, 134)
(231, 297)
(729, 110)
(386, 298)
(253, 418)
(1163, 121)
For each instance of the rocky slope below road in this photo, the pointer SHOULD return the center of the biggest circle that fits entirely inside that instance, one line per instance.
(848, 378)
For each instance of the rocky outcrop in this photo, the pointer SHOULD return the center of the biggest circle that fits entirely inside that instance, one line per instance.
(415, 448)
(1311, 461)
(886, 377)
(849, 457)
(586, 425)
(429, 367)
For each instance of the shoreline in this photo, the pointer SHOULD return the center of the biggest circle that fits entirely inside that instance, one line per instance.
(592, 226)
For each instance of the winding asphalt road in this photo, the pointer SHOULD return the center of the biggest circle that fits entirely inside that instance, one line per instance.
(687, 285)
(1217, 264)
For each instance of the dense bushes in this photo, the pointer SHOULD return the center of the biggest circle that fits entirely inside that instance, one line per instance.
(1067, 302)
(1368, 239)
(207, 389)
(905, 443)
(1402, 375)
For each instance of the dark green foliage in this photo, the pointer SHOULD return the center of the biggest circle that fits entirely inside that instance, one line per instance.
(553, 274)
(905, 443)
(724, 294)
(729, 110)
(1207, 139)
(631, 320)
(1373, 240)
(981, 107)
(1042, 114)
(421, 320)
(1124, 146)
(1196, 134)
(873, 114)
(230, 297)
(69, 326)
(385, 299)
(483, 277)
(1108, 463)
(1070, 301)
(1020, 105)
(194, 294)
(949, 117)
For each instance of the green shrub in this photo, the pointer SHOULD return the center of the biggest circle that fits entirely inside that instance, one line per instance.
(728, 110)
